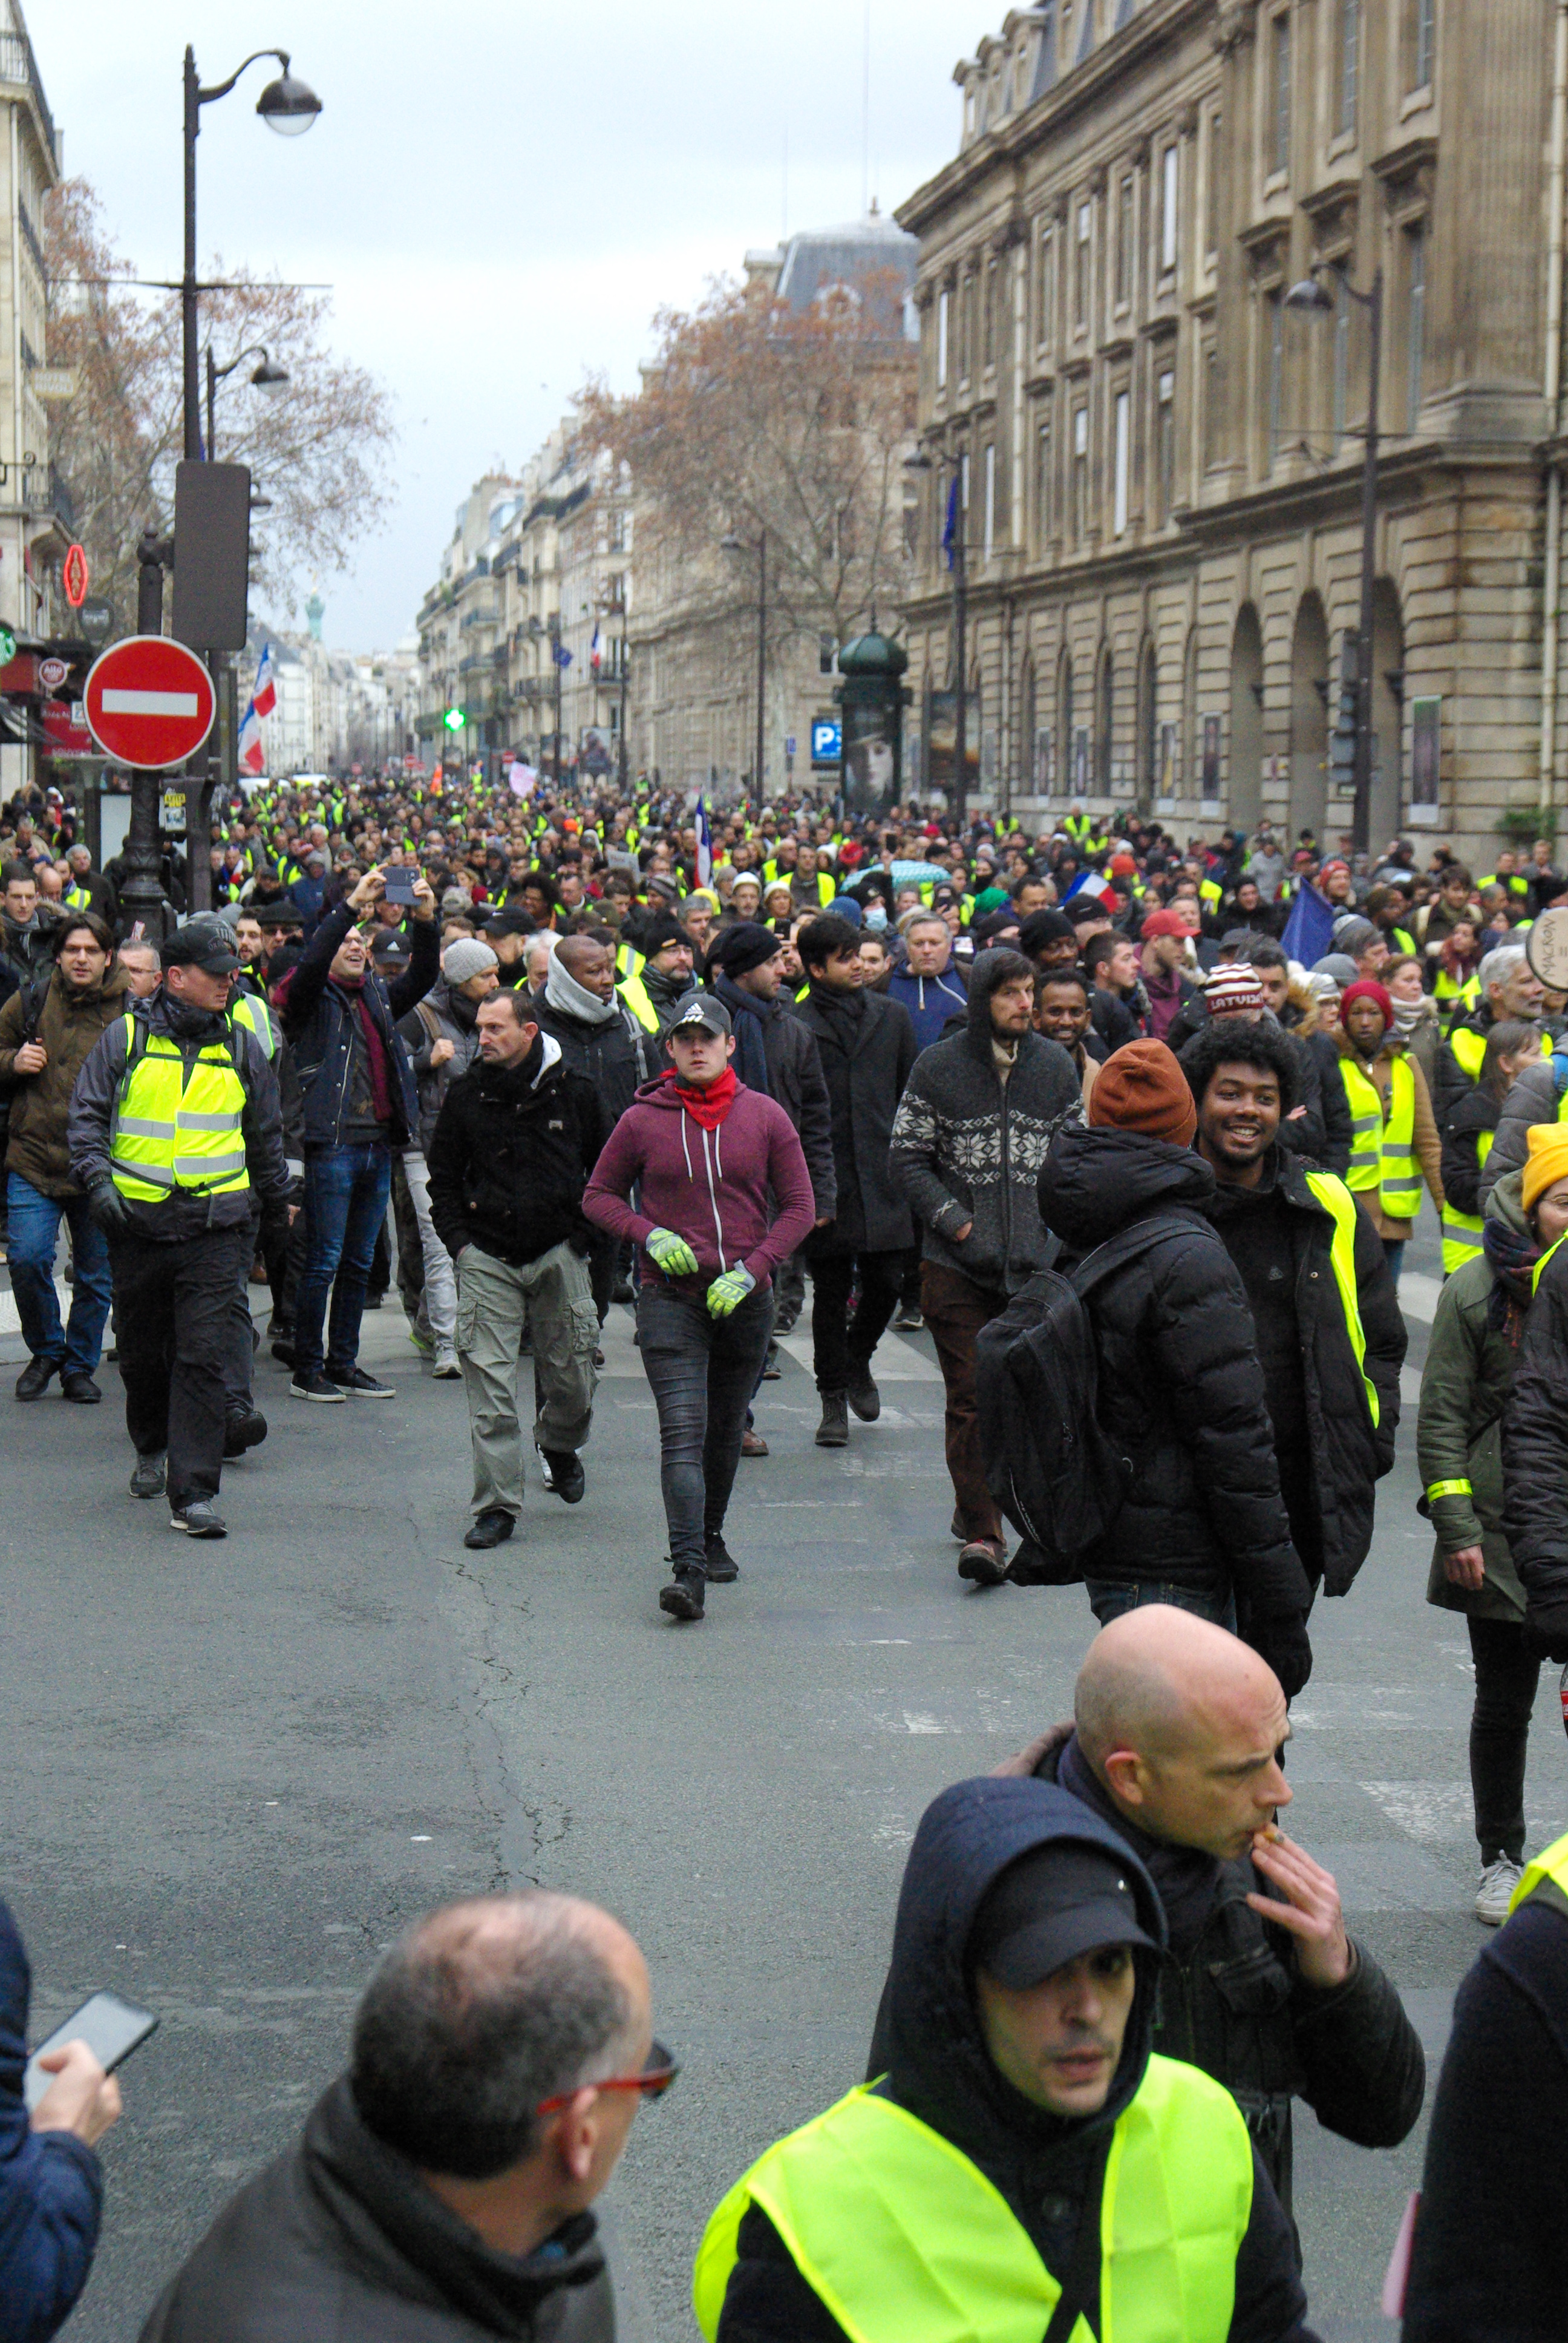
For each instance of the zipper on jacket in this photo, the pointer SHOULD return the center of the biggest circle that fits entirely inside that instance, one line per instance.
(712, 1195)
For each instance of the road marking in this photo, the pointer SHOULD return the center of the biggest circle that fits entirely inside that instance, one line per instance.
(1417, 1296)
(151, 703)
(894, 1361)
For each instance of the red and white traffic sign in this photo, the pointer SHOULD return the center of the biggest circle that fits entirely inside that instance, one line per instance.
(149, 702)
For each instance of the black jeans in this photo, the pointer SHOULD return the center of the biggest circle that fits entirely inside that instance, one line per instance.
(841, 1353)
(179, 1349)
(702, 1372)
(1506, 1675)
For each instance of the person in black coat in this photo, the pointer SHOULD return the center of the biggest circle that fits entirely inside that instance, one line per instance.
(1535, 1425)
(1203, 1524)
(1297, 1009)
(867, 1047)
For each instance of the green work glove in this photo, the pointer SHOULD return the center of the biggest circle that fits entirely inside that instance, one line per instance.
(727, 1292)
(671, 1253)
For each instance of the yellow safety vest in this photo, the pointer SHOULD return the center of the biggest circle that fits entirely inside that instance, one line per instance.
(1335, 1198)
(1462, 1230)
(904, 2240)
(78, 898)
(1382, 1155)
(1469, 1048)
(626, 960)
(1444, 988)
(256, 1017)
(175, 1126)
(1539, 1271)
(634, 992)
(1210, 893)
(1548, 1875)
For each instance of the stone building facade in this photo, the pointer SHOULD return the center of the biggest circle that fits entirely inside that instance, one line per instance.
(1161, 463)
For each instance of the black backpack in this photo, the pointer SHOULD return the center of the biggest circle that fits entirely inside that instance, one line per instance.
(1052, 1470)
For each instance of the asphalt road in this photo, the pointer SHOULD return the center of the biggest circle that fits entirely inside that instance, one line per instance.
(234, 1772)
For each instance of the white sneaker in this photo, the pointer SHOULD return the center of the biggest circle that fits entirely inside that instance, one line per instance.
(1495, 1893)
(446, 1369)
(547, 1478)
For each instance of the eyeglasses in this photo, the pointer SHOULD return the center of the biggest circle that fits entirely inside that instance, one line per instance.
(651, 2083)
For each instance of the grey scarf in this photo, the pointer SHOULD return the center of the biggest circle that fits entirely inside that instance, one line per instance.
(574, 1000)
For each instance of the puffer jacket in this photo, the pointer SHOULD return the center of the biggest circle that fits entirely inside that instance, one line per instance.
(439, 1017)
(67, 1023)
(1535, 1454)
(969, 1147)
(1302, 1019)
(1181, 1389)
(1540, 1094)
(1464, 1393)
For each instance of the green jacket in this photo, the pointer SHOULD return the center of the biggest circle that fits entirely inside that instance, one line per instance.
(1465, 1389)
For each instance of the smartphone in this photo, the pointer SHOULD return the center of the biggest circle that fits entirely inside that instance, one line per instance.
(110, 2027)
(400, 886)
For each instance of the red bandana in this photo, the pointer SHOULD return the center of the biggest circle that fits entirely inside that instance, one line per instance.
(707, 1107)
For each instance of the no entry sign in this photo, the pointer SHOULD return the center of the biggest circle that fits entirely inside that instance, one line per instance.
(149, 702)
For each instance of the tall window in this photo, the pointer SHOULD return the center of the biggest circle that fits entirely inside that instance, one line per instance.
(1341, 360)
(1123, 461)
(970, 353)
(1348, 63)
(1415, 262)
(1080, 474)
(1081, 264)
(1045, 279)
(1064, 718)
(1043, 482)
(990, 501)
(1274, 323)
(1124, 231)
(987, 355)
(1280, 154)
(1424, 43)
(1165, 445)
(942, 338)
(1169, 167)
(1211, 188)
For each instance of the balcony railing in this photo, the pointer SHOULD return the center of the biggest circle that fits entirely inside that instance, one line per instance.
(17, 64)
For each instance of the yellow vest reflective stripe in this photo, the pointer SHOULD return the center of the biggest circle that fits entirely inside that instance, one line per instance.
(1207, 892)
(634, 992)
(1539, 1269)
(1381, 1152)
(1462, 1230)
(904, 2240)
(1469, 1048)
(626, 960)
(1550, 1869)
(1448, 1489)
(176, 1128)
(1336, 1199)
(256, 1017)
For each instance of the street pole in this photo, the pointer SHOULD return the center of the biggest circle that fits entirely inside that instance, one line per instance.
(624, 663)
(961, 611)
(762, 651)
(188, 281)
(1361, 817)
(142, 896)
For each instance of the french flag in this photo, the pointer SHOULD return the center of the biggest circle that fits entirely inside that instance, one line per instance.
(704, 844)
(594, 649)
(263, 701)
(1098, 890)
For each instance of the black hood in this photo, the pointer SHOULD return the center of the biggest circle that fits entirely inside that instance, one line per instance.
(938, 2064)
(1093, 1182)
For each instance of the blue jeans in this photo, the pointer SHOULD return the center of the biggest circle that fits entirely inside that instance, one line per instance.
(35, 1231)
(1393, 1253)
(1109, 1598)
(345, 1192)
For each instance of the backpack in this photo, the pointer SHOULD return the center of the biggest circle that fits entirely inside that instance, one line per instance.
(1053, 1471)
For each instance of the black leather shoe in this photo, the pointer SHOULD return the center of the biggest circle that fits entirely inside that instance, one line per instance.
(682, 1598)
(244, 1427)
(35, 1378)
(834, 1431)
(862, 1395)
(493, 1528)
(567, 1478)
(719, 1564)
(81, 1387)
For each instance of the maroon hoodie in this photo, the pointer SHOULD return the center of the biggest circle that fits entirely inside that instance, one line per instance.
(710, 1187)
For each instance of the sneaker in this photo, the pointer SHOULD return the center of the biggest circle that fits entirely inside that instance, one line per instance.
(152, 1470)
(862, 1395)
(547, 1478)
(955, 1527)
(908, 1322)
(567, 1478)
(772, 1371)
(1495, 1893)
(493, 1528)
(447, 1369)
(357, 1384)
(200, 1519)
(984, 1560)
(834, 1431)
(314, 1387)
(621, 1291)
(244, 1427)
(720, 1564)
(421, 1340)
(682, 1598)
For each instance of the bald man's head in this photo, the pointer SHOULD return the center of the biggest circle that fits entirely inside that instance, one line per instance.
(588, 963)
(1183, 1721)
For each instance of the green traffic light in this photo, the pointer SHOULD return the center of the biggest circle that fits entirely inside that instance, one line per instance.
(453, 720)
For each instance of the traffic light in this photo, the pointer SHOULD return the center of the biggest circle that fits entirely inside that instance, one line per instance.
(453, 720)
(1343, 739)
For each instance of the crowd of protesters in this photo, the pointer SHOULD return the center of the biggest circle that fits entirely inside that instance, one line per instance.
(540, 1057)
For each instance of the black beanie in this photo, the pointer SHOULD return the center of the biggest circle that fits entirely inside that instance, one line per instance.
(1043, 928)
(744, 946)
(658, 930)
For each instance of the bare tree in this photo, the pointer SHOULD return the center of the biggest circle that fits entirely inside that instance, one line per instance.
(316, 449)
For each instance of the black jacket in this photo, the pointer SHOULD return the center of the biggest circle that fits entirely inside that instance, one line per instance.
(967, 1147)
(1179, 1385)
(510, 1156)
(1475, 1112)
(1348, 1454)
(931, 2057)
(617, 1056)
(1535, 1454)
(791, 1072)
(1453, 1081)
(318, 1019)
(341, 2241)
(1333, 1148)
(867, 1047)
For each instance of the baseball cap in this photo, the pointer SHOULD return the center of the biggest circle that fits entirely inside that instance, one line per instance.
(701, 1010)
(205, 944)
(1163, 924)
(1048, 1906)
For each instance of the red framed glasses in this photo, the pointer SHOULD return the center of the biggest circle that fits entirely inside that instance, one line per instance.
(651, 2083)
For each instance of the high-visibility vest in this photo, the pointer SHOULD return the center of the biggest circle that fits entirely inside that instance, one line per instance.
(78, 898)
(904, 2240)
(634, 992)
(1402, 939)
(1335, 1198)
(626, 960)
(1547, 1877)
(174, 1125)
(1515, 882)
(1382, 1155)
(1447, 988)
(1469, 1048)
(1462, 1230)
(1535, 1274)
(1210, 893)
(255, 1015)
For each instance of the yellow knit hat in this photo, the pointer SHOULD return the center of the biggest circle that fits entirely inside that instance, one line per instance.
(1547, 1162)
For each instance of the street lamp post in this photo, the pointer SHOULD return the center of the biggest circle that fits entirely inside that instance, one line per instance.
(1309, 296)
(734, 544)
(286, 105)
(267, 377)
(953, 543)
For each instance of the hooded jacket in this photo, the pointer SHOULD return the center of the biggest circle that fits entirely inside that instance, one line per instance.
(68, 1023)
(740, 1194)
(341, 2237)
(1537, 1095)
(512, 1150)
(931, 1001)
(793, 1066)
(1180, 1386)
(1046, 2167)
(969, 1147)
(442, 1016)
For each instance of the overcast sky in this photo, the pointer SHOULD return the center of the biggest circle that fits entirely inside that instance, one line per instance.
(500, 193)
